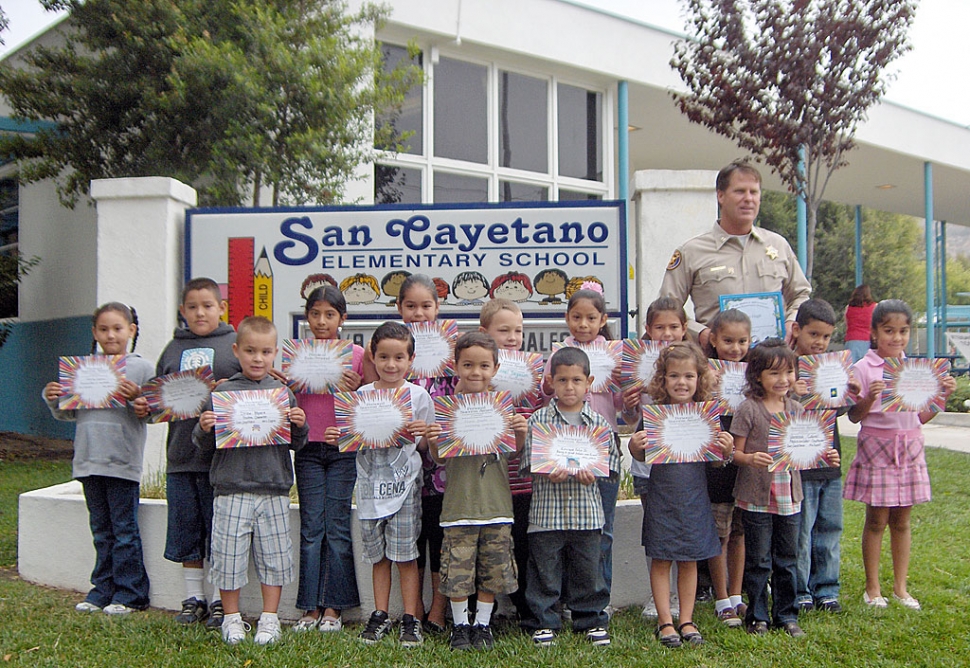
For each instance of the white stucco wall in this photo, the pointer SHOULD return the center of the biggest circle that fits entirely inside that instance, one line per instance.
(55, 549)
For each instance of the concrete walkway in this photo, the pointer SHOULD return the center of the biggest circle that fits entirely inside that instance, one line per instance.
(947, 430)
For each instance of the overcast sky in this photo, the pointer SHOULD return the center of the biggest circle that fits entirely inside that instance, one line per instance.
(924, 82)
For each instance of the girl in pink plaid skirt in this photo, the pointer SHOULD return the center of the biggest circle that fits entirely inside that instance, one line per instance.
(889, 472)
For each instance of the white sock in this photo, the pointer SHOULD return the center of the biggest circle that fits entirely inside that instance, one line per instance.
(193, 583)
(722, 604)
(483, 614)
(268, 616)
(735, 601)
(459, 612)
(235, 615)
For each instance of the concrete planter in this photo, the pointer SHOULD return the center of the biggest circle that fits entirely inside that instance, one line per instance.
(55, 549)
(952, 419)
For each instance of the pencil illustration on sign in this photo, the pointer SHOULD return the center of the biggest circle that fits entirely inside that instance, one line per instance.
(263, 287)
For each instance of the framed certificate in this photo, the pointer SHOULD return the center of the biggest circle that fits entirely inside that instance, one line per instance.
(914, 384)
(678, 433)
(474, 424)
(571, 448)
(180, 395)
(91, 382)
(730, 385)
(316, 366)
(374, 419)
(766, 310)
(520, 374)
(604, 363)
(827, 376)
(638, 361)
(798, 442)
(251, 418)
(434, 348)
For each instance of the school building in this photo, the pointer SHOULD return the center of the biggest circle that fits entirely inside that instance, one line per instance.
(524, 101)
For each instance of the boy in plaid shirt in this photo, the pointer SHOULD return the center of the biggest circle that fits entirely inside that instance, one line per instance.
(566, 517)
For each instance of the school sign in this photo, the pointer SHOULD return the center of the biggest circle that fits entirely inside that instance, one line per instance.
(268, 260)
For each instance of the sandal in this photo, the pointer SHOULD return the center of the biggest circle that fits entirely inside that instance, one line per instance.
(329, 624)
(672, 640)
(691, 637)
(306, 623)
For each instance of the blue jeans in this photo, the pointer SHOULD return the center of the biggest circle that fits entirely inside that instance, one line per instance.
(119, 574)
(577, 555)
(609, 490)
(770, 544)
(858, 349)
(325, 480)
(818, 541)
(189, 516)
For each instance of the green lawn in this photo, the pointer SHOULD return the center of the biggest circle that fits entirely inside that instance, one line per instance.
(39, 627)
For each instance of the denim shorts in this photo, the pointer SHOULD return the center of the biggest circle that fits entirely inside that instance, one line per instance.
(189, 516)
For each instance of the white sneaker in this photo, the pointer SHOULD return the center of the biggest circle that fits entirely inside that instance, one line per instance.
(117, 609)
(87, 606)
(268, 630)
(234, 629)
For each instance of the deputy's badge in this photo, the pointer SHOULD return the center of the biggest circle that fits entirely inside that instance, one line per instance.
(674, 261)
(771, 252)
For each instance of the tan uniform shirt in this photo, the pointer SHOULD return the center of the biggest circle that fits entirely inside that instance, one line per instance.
(715, 263)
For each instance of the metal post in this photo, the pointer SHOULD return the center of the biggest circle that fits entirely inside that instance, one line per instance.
(623, 113)
(858, 244)
(801, 210)
(943, 317)
(930, 259)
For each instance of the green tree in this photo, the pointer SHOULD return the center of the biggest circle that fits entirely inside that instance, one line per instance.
(790, 80)
(226, 95)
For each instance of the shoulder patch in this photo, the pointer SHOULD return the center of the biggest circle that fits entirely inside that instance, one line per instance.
(674, 261)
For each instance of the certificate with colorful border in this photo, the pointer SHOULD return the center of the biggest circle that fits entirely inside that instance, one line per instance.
(474, 424)
(180, 395)
(520, 374)
(680, 433)
(316, 366)
(797, 442)
(827, 376)
(434, 348)
(604, 363)
(638, 362)
(571, 448)
(914, 384)
(91, 382)
(251, 418)
(766, 311)
(730, 385)
(373, 419)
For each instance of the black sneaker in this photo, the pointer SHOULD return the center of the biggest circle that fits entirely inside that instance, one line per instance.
(482, 637)
(216, 613)
(193, 611)
(830, 605)
(377, 627)
(461, 637)
(410, 632)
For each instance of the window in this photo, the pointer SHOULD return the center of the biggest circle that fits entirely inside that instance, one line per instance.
(486, 133)
(410, 118)
(9, 244)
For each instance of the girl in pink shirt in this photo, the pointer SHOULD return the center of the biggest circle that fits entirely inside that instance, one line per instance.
(889, 472)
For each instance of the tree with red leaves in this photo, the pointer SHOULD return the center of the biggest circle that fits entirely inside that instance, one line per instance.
(786, 78)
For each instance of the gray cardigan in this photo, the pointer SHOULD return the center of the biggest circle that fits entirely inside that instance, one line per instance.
(109, 441)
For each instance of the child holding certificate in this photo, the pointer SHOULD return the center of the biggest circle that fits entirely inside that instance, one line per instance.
(729, 341)
(586, 317)
(676, 497)
(566, 518)
(109, 444)
(417, 301)
(821, 526)
(889, 472)
(476, 514)
(204, 341)
(770, 502)
(502, 320)
(325, 480)
(389, 492)
(251, 484)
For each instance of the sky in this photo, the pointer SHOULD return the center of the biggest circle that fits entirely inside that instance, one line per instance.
(923, 82)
